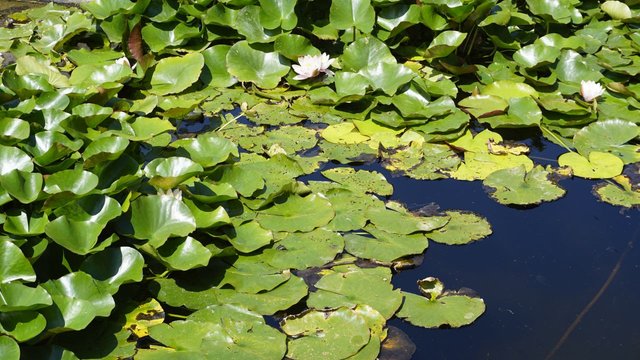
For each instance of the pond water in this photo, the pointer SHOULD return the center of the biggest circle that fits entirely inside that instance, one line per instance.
(536, 272)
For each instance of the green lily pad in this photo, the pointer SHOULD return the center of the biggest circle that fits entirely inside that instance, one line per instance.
(78, 182)
(98, 74)
(208, 149)
(15, 266)
(22, 325)
(445, 43)
(265, 69)
(334, 334)
(599, 165)
(352, 286)
(610, 136)
(343, 133)
(114, 267)
(508, 89)
(249, 237)
(450, 310)
(157, 217)
(404, 223)
(77, 300)
(619, 195)
(462, 228)
(224, 331)
(23, 186)
(360, 180)
(12, 158)
(347, 14)
(19, 297)
(365, 51)
(19, 222)
(183, 254)
(9, 348)
(350, 206)
(304, 250)
(174, 74)
(516, 186)
(297, 214)
(616, 9)
(13, 130)
(104, 149)
(384, 246)
(215, 73)
(78, 236)
(167, 173)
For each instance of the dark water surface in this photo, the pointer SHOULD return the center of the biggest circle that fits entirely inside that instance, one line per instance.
(536, 273)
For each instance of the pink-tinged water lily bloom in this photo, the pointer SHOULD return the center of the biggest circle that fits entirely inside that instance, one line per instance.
(590, 90)
(312, 66)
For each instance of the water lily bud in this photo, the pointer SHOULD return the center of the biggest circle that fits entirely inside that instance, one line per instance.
(312, 66)
(590, 90)
(123, 61)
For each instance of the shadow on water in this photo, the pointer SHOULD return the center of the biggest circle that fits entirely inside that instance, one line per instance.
(536, 273)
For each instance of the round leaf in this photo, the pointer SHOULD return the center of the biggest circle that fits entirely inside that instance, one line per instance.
(174, 74)
(516, 186)
(599, 165)
(462, 228)
(450, 310)
(265, 69)
(297, 214)
(157, 217)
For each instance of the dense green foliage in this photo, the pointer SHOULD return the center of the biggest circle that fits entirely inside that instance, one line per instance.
(155, 210)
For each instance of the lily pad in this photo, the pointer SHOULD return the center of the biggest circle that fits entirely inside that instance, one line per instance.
(334, 334)
(384, 246)
(157, 217)
(599, 165)
(167, 173)
(297, 214)
(462, 228)
(304, 250)
(352, 286)
(516, 186)
(610, 136)
(174, 74)
(360, 180)
(450, 310)
(15, 266)
(265, 69)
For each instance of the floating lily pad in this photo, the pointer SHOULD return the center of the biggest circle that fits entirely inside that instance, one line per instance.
(462, 228)
(265, 69)
(334, 334)
(222, 330)
(516, 186)
(360, 180)
(384, 246)
(450, 310)
(609, 136)
(352, 286)
(157, 217)
(290, 216)
(304, 250)
(174, 74)
(15, 264)
(167, 173)
(404, 223)
(599, 165)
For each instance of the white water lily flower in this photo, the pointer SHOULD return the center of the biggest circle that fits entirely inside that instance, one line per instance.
(176, 194)
(123, 61)
(590, 90)
(312, 66)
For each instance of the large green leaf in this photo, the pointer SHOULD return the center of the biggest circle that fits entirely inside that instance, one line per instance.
(77, 300)
(346, 14)
(403, 223)
(278, 13)
(384, 246)
(23, 186)
(222, 331)
(462, 228)
(451, 310)
(297, 214)
(15, 265)
(265, 69)
(174, 74)
(350, 285)
(157, 217)
(12, 158)
(215, 73)
(167, 173)
(599, 165)
(516, 186)
(114, 267)
(160, 36)
(18, 297)
(9, 348)
(78, 236)
(183, 254)
(78, 182)
(334, 334)
(445, 43)
(22, 325)
(610, 136)
(304, 250)
(19, 222)
(364, 52)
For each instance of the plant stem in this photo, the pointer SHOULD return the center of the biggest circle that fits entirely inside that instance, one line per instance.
(555, 137)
